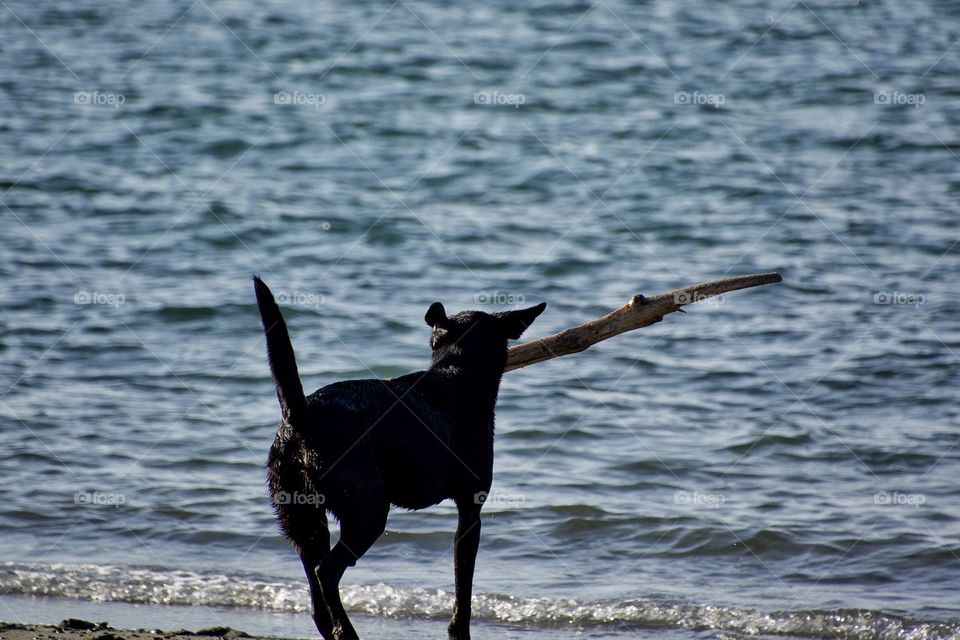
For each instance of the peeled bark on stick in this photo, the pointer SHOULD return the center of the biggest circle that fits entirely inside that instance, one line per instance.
(639, 312)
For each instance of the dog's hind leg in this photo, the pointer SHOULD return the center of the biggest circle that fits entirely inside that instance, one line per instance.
(358, 532)
(465, 547)
(321, 615)
(312, 558)
(312, 539)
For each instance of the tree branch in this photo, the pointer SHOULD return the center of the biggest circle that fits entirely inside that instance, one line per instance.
(639, 312)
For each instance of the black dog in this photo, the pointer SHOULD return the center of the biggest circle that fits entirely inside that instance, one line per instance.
(354, 448)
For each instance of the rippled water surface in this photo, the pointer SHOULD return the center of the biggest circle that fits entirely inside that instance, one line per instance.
(781, 461)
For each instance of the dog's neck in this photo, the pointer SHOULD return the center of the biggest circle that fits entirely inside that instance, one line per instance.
(471, 384)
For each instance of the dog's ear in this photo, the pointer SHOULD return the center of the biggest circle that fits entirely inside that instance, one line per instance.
(436, 315)
(514, 323)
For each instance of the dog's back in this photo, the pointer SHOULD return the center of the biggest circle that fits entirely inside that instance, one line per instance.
(382, 439)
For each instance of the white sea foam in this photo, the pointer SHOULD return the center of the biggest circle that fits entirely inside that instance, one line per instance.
(151, 586)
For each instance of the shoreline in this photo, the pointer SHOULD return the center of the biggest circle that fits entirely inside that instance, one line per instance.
(78, 629)
(210, 626)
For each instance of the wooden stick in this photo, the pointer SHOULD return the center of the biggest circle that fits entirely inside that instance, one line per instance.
(639, 312)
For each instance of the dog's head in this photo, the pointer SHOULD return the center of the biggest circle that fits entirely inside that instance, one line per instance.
(476, 337)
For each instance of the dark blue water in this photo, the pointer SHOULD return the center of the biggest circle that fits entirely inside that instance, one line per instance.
(780, 461)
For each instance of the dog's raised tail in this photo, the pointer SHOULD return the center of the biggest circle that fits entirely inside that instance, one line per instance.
(283, 365)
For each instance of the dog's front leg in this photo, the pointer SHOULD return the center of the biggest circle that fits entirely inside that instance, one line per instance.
(465, 547)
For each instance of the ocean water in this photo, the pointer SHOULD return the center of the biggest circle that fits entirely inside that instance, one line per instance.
(778, 462)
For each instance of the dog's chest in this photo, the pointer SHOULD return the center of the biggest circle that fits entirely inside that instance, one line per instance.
(426, 467)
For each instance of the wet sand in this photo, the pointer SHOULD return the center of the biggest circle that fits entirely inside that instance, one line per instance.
(75, 629)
